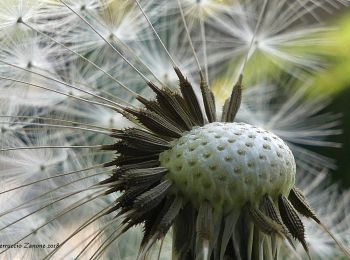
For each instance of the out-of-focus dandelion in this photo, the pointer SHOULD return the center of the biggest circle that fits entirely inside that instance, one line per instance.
(11, 11)
(26, 53)
(117, 126)
(278, 37)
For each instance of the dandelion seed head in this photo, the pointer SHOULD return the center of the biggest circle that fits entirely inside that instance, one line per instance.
(13, 12)
(185, 170)
(229, 164)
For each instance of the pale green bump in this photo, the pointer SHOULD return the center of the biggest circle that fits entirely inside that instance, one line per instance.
(229, 164)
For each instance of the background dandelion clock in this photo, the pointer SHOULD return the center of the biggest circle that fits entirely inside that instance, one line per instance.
(166, 130)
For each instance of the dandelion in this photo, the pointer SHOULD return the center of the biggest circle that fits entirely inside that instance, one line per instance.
(102, 156)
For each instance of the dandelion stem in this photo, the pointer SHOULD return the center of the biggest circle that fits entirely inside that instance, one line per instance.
(206, 250)
(338, 242)
(134, 55)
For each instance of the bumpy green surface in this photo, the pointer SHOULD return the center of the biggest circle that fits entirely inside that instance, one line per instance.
(229, 164)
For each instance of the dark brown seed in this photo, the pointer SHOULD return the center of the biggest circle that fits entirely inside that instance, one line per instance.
(168, 102)
(271, 210)
(301, 205)
(126, 200)
(156, 123)
(205, 222)
(142, 140)
(184, 226)
(225, 110)
(163, 220)
(151, 227)
(151, 198)
(141, 165)
(265, 224)
(233, 103)
(170, 216)
(273, 213)
(154, 106)
(126, 160)
(209, 101)
(292, 221)
(142, 176)
(190, 98)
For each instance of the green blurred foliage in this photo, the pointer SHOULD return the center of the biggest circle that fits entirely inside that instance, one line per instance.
(335, 82)
(341, 104)
(337, 76)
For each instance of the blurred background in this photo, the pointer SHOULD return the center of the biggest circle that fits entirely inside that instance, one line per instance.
(288, 58)
(335, 82)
